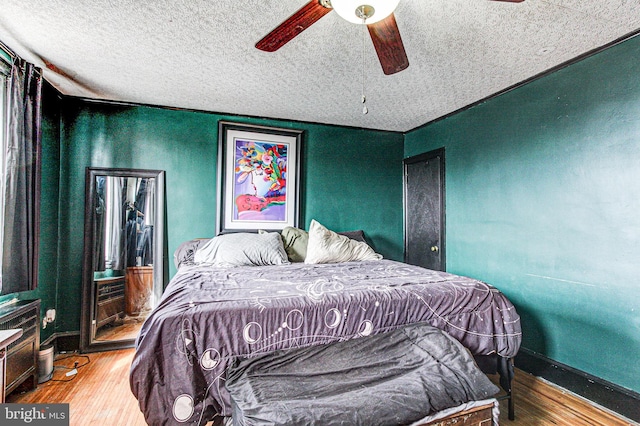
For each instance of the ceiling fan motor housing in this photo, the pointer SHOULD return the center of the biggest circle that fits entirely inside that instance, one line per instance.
(370, 12)
(365, 12)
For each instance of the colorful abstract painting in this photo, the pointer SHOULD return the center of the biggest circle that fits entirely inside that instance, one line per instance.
(259, 171)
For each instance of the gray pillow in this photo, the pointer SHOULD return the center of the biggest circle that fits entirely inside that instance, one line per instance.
(243, 249)
(354, 235)
(185, 251)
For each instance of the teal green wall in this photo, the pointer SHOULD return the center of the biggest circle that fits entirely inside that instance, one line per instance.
(48, 249)
(345, 174)
(543, 201)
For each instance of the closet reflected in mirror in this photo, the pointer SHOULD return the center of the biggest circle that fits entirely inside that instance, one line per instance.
(123, 261)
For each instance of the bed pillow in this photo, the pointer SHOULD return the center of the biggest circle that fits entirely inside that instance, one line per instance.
(326, 246)
(354, 235)
(295, 242)
(185, 251)
(243, 249)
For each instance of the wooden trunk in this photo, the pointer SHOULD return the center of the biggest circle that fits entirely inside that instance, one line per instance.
(476, 416)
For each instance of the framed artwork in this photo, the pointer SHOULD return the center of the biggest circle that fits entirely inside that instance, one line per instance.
(258, 177)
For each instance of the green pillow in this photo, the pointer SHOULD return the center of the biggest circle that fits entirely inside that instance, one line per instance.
(295, 243)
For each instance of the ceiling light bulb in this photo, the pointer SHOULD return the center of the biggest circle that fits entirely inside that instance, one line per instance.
(348, 9)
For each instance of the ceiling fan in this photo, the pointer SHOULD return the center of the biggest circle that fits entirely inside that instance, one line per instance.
(377, 15)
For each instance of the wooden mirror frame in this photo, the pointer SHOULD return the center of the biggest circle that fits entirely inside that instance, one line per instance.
(159, 248)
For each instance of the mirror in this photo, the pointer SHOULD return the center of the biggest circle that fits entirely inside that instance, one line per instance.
(123, 270)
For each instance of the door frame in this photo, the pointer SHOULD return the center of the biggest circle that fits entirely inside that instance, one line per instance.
(426, 156)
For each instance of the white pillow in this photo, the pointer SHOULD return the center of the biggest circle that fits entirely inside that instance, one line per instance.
(326, 246)
(243, 249)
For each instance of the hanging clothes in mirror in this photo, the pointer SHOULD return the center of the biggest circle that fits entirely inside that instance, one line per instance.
(139, 226)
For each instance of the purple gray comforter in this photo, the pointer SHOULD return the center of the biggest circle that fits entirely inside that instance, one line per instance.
(209, 316)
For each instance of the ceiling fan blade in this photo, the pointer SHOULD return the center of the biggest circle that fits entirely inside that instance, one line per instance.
(388, 43)
(292, 26)
(510, 1)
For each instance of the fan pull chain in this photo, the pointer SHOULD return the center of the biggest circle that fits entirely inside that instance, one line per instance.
(365, 110)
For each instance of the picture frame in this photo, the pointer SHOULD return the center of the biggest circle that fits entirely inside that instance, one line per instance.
(258, 177)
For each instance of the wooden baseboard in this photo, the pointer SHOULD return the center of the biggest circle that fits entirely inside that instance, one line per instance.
(609, 395)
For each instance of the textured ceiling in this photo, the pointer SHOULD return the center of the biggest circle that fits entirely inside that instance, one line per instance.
(200, 54)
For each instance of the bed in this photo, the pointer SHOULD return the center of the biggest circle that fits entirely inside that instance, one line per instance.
(240, 297)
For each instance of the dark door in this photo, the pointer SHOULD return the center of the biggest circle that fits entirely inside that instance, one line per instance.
(424, 210)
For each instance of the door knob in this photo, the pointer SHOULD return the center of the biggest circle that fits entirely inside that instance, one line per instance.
(434, 248)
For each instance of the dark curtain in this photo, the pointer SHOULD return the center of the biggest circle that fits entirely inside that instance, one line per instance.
(133, 229)
(22, 177)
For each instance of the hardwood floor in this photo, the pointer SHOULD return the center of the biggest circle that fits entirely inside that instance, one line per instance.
(539, 402)
(124, 331)
(99, 395)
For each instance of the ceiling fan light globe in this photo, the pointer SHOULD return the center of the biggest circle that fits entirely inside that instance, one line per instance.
(347, 9)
